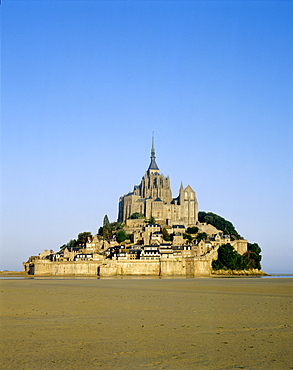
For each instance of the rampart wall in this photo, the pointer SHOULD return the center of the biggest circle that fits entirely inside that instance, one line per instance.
(80, 268)
(191, 266)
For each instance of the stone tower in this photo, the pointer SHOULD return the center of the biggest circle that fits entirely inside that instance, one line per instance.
(153, 198)
(153, 184)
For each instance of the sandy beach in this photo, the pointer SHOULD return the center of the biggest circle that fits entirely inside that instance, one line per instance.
(128, 323)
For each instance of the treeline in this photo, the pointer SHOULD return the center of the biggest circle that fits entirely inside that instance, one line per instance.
(220, 223)
(80, 242)
(190, 236)
(109, 229)
(230, 259)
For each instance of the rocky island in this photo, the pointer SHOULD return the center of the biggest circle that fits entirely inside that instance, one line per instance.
(156, 235)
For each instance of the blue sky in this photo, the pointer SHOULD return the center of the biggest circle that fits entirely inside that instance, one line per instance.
(84, 84)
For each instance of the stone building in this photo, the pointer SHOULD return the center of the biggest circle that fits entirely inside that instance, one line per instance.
(153, 198)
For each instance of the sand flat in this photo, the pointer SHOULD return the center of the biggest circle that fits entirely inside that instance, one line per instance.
(207, 323)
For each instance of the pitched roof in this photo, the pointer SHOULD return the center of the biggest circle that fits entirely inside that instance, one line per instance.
(153, 165)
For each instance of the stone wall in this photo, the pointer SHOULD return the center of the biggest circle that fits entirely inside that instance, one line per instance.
(109, 269)
(240, 245)
(207, 228)
(68, 268)
(173, 268)
(202, 266)
(138, 267)
(199, 266)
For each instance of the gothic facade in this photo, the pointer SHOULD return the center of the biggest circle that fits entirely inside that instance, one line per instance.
(153, 198)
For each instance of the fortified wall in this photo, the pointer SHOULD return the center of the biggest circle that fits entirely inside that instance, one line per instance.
(190, 266)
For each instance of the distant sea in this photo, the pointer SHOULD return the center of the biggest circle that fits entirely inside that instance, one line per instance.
(278, 275)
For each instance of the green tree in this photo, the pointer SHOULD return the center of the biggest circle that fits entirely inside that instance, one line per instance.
(136, 215)
(253, 257)
(83, 238)
(254, 247)
(166, 235)
(229, 257)
(71, 244)
(152, 220)
(188, 237)
(201, 236)
(201, 216)
(218, 265)
(192, 230)
(220, 223)
(106, 227)
(106, 232)
(116, 226)
(106, 221)
(121, 236)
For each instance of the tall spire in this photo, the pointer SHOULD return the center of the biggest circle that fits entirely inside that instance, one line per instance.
(153, 167)
(153, 153)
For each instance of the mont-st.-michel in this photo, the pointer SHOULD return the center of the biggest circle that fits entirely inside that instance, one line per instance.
(155, 235)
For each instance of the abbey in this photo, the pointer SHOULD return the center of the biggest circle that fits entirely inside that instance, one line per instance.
(153, 198)
(156, 235)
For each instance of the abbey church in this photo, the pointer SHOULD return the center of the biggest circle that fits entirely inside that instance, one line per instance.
(153, 198)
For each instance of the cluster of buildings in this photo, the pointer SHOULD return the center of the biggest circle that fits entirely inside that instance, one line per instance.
(159, 248)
